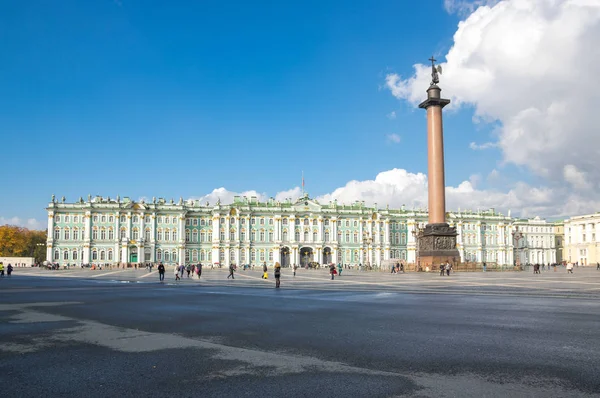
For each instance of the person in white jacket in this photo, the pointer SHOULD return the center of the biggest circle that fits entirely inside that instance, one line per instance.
(570, 268)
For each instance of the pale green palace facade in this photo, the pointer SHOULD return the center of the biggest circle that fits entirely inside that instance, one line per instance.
(247, 231)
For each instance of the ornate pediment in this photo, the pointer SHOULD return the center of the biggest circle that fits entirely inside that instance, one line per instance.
(306, 204)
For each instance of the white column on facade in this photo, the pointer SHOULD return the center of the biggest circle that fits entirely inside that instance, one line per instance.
(216, 231)
(320, 231)
(215, 255)
(50, 236)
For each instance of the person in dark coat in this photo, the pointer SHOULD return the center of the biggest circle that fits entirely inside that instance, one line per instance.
(277, 275)
(161, 272)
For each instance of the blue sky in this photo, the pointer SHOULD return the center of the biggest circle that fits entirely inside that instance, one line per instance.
(168, 99)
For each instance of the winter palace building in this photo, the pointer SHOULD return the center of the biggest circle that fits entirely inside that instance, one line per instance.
(247, 231)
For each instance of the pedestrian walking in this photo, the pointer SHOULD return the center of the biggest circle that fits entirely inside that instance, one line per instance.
(442, 269)
(199, 270)
(188, 269)
(176, 272)
(231, 271)
(9, 270)
(332, 270)
(448, 268)
(570, 268)
(484, 266)
(295, 267)
(161, 272)
(597, 266)
(1, 270)
(339, 269)
(277, 275)
(265, 269)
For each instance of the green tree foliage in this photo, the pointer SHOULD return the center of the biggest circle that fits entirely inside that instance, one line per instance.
(22, 242)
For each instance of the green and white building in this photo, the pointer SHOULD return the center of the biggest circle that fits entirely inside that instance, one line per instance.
(247, 231)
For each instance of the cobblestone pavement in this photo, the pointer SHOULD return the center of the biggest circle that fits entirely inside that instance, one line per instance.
(365, 334)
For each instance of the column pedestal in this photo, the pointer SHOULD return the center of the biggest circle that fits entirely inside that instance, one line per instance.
(436, 245)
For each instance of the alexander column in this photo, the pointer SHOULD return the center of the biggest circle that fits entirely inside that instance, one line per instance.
(437, 242)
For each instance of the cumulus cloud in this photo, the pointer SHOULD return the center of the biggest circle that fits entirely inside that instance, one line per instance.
(30, 223)
(392, 138)
(226, 197)
(465, 7)
(399, 187)
(293, 194)
(527, 65)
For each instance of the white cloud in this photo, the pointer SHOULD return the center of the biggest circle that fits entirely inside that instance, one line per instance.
(391, 115)
(30, 223)
(480, 147)
(530, 65)
(393, 138)
(293, 194)
(399, 187)
(226, 196)
(575, 177)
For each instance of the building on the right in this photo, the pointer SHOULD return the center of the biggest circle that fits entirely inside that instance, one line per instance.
(581, 244)
(534, 241)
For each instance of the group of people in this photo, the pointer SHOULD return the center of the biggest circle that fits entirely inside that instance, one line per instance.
(9, 269)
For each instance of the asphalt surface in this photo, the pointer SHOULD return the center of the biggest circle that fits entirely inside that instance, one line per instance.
(365, 334)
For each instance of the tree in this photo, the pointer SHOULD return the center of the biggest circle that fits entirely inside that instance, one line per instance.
(20, 242)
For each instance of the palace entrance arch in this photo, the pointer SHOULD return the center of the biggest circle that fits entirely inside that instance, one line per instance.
(327, 256)
(285, 256)
(306, 256)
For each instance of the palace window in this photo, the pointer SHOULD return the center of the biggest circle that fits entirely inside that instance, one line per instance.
(326, 223)
(297, 236)
(187, 256)
(222, 220)
(262, 221)
(355, 224)
(187, 222)
(195, 235)
(253, 255)
(253, 221)
(147, 219)
(74, 255)
(339, 224)
(222, 256)
(202, 222)
(56, 255)
(262, 255)
(95, 218)
(187, 235)
(243, 221)
(174, 220)
(66, 218)
(326, 236)
(123, 233)
(285, 236)
(159, 234)
(222, 235)
(167, 234)
(158, 255)
(67, 234)
(232, 256)
(174, 235)
(270, 236)
(147, 234)
(285, 221)
(315, 222)
(306, 221)
(232, 220)
(242, 235)
(123, 218)
(94, 255)
(243, 256)
(403, 239)
(194, 255)
(103, 219)
(136, 219)
(339, 236)
(102, 255)
(231, 235)
(270, 221)
(167, 256)
(355, 237)
(202, 236)
(75, 218)
(314, 236)
(57, 219)
(65, 255)
(262, 236)
(209, 237)
(270, 256)
(347, 237)
(167, 220)
(297, 222)
(110, 255)
(253, 236)
(94, 234)
(75, 234)
(103, 234)
(347, 223)
(305, 236)
(202, 258)
(195, 222)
